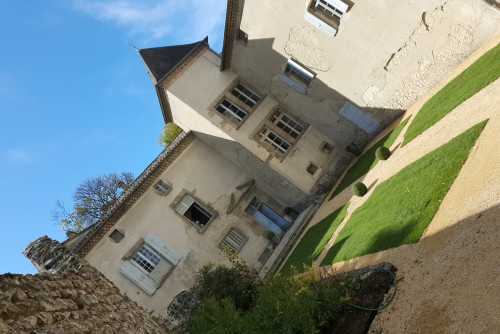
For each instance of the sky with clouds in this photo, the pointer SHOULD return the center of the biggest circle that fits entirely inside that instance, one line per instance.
(76, 101)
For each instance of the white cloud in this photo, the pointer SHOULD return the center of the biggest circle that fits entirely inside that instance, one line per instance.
(17, 156)
(156, 21)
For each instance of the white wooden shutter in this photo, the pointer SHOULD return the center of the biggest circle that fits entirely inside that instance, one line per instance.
(163, 249)
(160, 271)
(320, 24)
(184, 204)
(139, 277)
(356, 116)
(234, 239)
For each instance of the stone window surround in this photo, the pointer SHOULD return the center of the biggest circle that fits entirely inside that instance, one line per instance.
(207, 206)
(226, 95)
(273, 127)
(151, 242)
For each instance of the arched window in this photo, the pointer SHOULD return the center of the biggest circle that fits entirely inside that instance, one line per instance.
(181, 306)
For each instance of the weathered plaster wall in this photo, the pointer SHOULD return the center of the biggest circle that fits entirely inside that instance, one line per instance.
(75, 299)
(384, 56)
(210, 179)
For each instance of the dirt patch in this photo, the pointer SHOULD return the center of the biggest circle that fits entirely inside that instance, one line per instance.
(369, 291)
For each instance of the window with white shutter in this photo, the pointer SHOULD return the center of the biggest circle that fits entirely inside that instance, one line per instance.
(151, 264)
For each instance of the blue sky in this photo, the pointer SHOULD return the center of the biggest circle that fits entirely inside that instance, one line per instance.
(76, 101)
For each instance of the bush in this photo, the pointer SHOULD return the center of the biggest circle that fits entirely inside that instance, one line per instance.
(305, 304)
(382, 153)
(359, 189)
(237, 283)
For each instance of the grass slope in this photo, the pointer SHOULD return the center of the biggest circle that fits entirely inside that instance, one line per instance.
(477, 76)
(368, 160)
(401, 208)
(314, 241)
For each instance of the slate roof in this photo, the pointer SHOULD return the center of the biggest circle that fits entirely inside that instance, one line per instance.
(163, 60)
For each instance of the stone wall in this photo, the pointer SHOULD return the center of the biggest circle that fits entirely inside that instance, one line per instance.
(68, 296)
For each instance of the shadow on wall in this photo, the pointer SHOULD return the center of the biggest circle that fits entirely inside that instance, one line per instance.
(257, 62)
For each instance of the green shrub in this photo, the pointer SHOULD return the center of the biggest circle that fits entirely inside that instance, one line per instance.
(382, 153)
(359, 189)
(237, 283)
(305, 304)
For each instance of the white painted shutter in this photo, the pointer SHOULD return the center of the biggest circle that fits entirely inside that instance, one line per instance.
(320, 24)
(160, 271)
(163, 249)
(364, 121)
(184, 204)
(140, 278)
(293, 84)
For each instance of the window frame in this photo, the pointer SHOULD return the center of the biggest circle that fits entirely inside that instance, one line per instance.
(246, 95)
(283, 121)
(160, 190)
(283, 125)
(297, 76)
(230, 114)
(193, 202)
(326, 15)
(150, 276)
(236, 101)
(263, 137)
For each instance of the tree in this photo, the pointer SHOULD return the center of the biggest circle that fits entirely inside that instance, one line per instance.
(169, 133)
(91, 199)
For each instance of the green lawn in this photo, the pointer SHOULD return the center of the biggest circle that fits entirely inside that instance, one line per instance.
(401, 208)
(314, 241)
(368, 160)
(480, 74)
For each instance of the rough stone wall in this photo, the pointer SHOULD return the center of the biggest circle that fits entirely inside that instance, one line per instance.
(68, 296)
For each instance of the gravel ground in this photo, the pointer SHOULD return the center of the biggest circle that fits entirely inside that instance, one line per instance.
(450, 280)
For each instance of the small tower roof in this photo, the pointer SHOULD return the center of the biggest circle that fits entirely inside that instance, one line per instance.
(163, 60)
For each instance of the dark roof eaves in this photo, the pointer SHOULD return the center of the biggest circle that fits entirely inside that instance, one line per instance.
(229, 30)
(130, 190)
(204, 41)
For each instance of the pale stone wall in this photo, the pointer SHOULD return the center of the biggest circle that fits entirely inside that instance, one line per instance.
(75, 299)
(213, 181)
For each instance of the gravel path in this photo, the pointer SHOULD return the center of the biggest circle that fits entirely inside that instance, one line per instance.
(450, 280)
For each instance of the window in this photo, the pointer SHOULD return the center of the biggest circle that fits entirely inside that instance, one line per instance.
(333, 8)
(327, 148)
(231, 111)
(150, 264)
(246, 95)
(194, 211)
(285, 123)
(279, 145)
(297, 76)
(117, 236)
(326, 15)
(312, 169)
(147, 258)
(162, 188)
(180, 307)
(238, 102)
(234, 240)
(280, 131)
